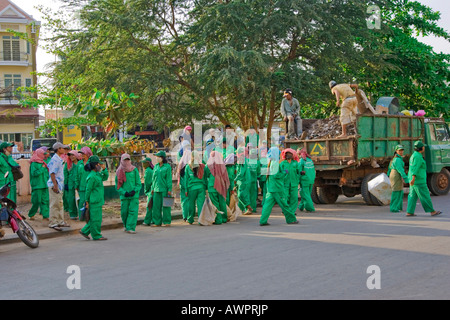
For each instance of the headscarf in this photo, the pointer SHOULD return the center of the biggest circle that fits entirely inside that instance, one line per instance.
(294, 154)
(196, 162)
(217, 168)
(185, 158)
(38, 156)
(87, 151)
(69, 162)
(122, 169)
(304, 154)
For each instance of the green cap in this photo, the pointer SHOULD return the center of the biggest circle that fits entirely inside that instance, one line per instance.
(94, 159)
(5, 144)
(160, 154)
(399, 147)
(419, 144)
(146, 160)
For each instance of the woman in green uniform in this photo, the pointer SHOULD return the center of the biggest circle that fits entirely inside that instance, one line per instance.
(242, 182)
(38, 180)
(290, 165)
(95, 198)
(307, 177)
(148, 166)
(396, 173)
(262, 154)
(218, 183)
(86, 153)
(183, 161)
(161, 187)
(275, 190)
(230, 164)
(195, 185)
(128, 184)
(72, 182)
(417, 175)
(6, 161)
(254, 168)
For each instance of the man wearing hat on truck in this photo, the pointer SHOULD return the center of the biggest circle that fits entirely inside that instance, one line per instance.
(417, 175)
(346, 99)
(290, 111)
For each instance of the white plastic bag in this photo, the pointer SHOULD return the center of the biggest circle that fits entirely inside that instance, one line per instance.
(208, 213)
(380, 187)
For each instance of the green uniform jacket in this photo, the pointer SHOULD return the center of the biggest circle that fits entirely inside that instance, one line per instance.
(254, 168)
(132, 183)
(148, 176)
(418, 168)
(192, 182)
(82, 175)
(264, 169)
(275, 180)
(5, 167)
(162, 178)
(310, 171)
(72, 176)
(242, 174)
(38, 176)
(293, 173)
(95, 192)
(396, 172)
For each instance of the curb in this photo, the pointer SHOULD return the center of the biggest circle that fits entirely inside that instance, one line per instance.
(49, 234)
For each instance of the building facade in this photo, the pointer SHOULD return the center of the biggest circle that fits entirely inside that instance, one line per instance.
(19, 34)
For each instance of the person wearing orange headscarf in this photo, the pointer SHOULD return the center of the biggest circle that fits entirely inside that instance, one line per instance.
(218, 183)
(290, 165)
(38, 179)
(72, 182)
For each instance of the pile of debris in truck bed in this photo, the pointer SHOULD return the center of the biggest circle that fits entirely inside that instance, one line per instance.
(327, 129)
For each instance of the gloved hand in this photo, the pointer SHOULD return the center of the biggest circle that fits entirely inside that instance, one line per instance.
(127, 194)
(132, 193)
(302, 173)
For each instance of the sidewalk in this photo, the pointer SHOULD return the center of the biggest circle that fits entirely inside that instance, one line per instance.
(111, 220)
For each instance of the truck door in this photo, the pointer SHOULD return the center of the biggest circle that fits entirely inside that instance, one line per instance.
(440, 141)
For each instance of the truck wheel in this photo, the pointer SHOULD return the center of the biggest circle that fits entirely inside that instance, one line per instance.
(369, 198)
(314, 196)
(439, 183)
(327, 195)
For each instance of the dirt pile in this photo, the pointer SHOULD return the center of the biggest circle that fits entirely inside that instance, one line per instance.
(328, 129)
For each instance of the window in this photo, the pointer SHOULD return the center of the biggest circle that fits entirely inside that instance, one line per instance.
(441, 133)
(11, 48)
(23, 138)
(16, 82)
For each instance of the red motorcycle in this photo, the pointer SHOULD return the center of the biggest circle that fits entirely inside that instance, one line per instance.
(9, 213)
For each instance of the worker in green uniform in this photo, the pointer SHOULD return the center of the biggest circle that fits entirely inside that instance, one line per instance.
(254, 168)
(38, 180)
(6, 161)
(195, 185)
(417, 175)
(161, 187)
(95, 197)
(396, 174)
(275, 190)
(183, 157)
(128, 184)
(262, 156)
(290, 165)
(307, 177)
(72, 182)
(242, 182)
(217, 185)
(86, 153)
(229, 156)
(148, 176)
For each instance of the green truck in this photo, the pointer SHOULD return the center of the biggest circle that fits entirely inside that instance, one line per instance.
(346, 165)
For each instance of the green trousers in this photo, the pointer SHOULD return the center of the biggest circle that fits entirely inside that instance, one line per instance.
(243, 197)
(306, 202)
(129, 210)
(148, 213)
(271, 199)
(82, 194)
(184, 203)
(93, 227)
(65, 198)
(253, 194)
(39, 200)
(396, 201)
(72, 203)
(292, 198)
(196, 199)
(160, 215)
(421, 192)
(263, 186)
(220, 203)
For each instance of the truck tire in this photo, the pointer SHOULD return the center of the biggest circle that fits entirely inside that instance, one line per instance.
(369, 198)
(439, 183)
(327, 195)
(314, 195)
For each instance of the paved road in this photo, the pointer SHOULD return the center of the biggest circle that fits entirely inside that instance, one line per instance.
(326, 256)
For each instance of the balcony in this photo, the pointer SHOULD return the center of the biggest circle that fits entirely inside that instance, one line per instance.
(21, 59)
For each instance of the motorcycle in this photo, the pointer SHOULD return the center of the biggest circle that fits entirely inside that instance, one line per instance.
(9, 213)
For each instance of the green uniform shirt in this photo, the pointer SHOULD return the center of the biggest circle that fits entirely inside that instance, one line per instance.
(254, 168)
(148, 176)
(162, 178)
(293, 173)
(82, 175)
(242, 174)
(38, 176)
(310, 172)
(95, 193)
(418, 168)
(5, 167)
(132, 183)
(192, 182)
(275, 180)
(71, 177)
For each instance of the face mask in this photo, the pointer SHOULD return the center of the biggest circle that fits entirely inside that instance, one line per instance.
(289, 156)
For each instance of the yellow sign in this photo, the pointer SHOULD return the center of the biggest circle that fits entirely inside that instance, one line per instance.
(71, 133)
(314, 152)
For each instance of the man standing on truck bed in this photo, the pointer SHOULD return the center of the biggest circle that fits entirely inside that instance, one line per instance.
(290, 110)
(417, 175)
(348, 105)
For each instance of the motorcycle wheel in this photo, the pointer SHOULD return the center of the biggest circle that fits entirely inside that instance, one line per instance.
(27, 234)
